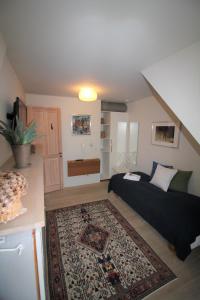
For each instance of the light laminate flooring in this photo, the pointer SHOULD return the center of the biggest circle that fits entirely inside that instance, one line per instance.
(187, 284)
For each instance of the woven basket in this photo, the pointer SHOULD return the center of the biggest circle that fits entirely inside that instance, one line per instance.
(12, 186)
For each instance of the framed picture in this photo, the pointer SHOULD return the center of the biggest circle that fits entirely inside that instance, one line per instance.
(81, 124)
(165, 134)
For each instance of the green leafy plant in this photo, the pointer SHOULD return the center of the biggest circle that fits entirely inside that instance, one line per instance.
(19, 135)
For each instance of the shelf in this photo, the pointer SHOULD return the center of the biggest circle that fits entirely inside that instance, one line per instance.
(83, 167)
(105, 145)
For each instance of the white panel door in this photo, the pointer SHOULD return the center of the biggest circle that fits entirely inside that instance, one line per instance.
(119, 140)
(124, 137)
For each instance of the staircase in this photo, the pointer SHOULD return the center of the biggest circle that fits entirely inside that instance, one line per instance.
(177, 80)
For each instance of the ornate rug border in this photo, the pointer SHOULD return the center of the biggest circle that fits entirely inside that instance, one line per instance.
(50, 218)
(138, 239)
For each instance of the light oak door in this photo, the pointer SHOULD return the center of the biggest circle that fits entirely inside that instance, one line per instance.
(49, 144)
(39, 115)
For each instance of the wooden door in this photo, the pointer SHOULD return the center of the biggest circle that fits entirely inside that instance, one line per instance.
(39, 115)
(49, 144)
(53, 158)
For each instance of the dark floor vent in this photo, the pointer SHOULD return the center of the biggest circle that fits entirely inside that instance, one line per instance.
(113, 106)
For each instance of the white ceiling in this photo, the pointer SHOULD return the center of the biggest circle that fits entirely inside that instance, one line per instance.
(57, 45)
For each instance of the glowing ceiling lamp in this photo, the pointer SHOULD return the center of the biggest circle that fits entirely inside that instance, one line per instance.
(87, 94)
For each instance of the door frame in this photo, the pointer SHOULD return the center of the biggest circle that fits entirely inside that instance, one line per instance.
(60, 148)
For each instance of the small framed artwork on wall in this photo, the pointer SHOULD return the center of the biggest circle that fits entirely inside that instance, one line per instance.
(165, 134)
(81, 124)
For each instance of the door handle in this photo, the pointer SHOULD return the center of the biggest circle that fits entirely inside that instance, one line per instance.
(60, 154)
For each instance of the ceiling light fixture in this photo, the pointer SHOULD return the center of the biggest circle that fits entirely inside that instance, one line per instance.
(87, 94)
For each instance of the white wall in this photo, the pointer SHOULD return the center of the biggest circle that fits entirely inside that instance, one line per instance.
(2, 49)
(10, 88)
(185, 157)
(74, 147)
(177, 81)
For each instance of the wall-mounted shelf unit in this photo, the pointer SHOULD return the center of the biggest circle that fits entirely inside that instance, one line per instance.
(105, 145)
(83, 167)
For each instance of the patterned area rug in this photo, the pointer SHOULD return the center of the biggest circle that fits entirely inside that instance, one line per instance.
(94, 253)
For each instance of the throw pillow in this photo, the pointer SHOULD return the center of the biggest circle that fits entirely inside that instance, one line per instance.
(163, 177)
(154, 166)
(180, 181)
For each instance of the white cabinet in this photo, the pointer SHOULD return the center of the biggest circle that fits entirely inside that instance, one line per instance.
(22, 272)
(118, 143)
(19, 278)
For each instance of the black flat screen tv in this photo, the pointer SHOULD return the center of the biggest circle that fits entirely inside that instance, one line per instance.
(19, 110)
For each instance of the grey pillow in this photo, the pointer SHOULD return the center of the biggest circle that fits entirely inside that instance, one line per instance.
(180, 181)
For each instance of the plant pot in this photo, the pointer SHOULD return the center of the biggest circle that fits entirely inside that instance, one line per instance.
(22, 155)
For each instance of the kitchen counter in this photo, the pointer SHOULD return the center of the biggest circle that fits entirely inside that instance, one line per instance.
(34, 217)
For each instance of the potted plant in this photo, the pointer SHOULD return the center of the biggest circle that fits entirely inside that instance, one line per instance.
(20, 138)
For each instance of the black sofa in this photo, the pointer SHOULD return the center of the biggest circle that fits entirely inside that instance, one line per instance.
(175, 215)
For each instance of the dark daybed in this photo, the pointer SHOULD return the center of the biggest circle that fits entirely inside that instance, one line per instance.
(176, 215)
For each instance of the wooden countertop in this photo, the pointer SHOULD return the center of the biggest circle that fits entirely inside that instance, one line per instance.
(33, 200)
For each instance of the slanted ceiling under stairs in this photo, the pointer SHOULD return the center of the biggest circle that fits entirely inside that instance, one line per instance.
(177, 80)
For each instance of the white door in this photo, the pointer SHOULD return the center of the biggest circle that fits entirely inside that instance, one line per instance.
(124, 136)
(119, 132)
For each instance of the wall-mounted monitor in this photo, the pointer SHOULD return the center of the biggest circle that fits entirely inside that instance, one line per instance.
(19, 110)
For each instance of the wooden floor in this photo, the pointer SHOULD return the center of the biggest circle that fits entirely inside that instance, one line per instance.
(187, 284)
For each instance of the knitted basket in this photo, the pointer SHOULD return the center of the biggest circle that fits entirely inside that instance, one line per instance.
(12, 186)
